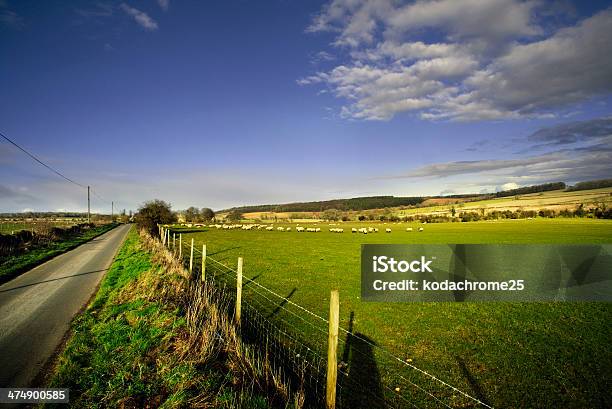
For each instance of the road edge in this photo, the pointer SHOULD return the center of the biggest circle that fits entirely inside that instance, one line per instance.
(46, 260)
(48, 368)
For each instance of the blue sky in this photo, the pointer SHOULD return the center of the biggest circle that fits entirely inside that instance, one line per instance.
(229, 103)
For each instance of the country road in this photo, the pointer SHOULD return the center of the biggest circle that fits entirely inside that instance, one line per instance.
(36, 308)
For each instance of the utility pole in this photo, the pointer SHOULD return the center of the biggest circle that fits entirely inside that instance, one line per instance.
(112, 210)
(88, 207)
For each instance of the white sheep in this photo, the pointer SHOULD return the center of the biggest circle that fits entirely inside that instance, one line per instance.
(269, 228)
(353, 230)
(388, 230)
(299, 229)
(408, 228)
(421, 229)
(288, 229)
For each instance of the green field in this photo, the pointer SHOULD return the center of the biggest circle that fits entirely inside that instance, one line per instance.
(8, 227)
(507, 354)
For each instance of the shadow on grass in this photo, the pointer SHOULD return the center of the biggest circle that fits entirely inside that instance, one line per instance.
(223, 251)
(247, 281)
(360, 384)
(188, 230)
(282, 303)
(51, 280)
(472, 381)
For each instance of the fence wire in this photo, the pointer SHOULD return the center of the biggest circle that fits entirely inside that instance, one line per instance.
(295, 338)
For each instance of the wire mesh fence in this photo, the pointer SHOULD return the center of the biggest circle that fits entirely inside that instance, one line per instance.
(295, 339)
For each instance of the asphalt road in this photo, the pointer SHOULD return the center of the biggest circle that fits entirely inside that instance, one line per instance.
(36, 308)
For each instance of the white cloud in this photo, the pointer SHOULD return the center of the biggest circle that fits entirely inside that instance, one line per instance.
(409, 51)
(491, 20)
(164, 4)
(567, 165)
(140, 17)
(491, 59)
(571, 66)
(507, 186)
(98, 10)
(321, 57)
(356, 20)
(9, 18)
(581, 151)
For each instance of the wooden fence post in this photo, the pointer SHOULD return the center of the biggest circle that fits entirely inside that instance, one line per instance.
(181, 247)
(203, 261)
(163, 237)
(191, 258)
(239, 291)
(174, 242)
(168, 241)
(332, 358)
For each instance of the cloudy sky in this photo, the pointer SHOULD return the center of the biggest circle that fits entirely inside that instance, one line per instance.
(235, 102)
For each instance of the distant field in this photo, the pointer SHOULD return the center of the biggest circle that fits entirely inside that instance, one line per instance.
(8, 227)
(555, 200)
(508, 354)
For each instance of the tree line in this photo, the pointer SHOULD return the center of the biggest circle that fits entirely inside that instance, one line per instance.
(592, 184)
(356, 203)
(531, 189)
(155, 212)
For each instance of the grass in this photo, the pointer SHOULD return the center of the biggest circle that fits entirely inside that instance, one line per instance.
(12, 266)
(8, 227)
(546, 355)
(142, 342)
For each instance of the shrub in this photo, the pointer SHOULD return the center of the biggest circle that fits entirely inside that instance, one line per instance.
(152, 213)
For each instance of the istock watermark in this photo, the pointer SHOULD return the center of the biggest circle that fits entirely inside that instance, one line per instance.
(486, 272)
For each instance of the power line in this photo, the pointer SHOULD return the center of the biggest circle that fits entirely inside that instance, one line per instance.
(99, 197)
(50, 168)
(41, 162)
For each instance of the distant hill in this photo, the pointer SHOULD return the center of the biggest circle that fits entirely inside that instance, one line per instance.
(381, 202)
(592, 184)
(531, 189)
(356, 203)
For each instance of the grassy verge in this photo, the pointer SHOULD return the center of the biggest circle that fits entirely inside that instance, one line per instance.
(153, 338)
(12, 266)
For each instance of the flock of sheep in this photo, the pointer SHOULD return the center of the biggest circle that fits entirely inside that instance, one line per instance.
(299, 229)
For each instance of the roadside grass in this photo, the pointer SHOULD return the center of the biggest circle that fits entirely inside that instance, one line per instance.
(12, 266)
(149, 338)
(545, 355)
